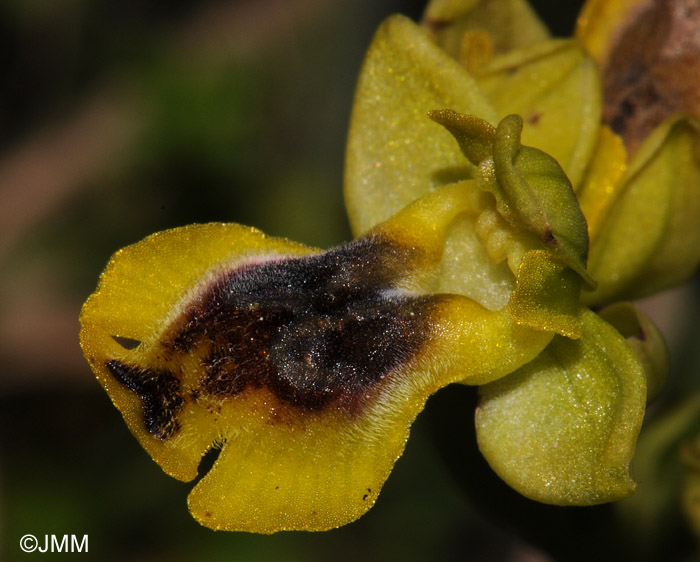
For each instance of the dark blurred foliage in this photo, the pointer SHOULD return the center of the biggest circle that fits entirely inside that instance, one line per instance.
(119, 119)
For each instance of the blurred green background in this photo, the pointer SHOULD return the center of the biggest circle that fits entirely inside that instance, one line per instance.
(118, 119)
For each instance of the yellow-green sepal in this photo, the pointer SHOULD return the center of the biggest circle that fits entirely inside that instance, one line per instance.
(555, 86)
(395, 153)
(649, 239)
(508, 24)
(562, 429)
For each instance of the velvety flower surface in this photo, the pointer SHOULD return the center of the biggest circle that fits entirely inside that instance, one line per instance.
(492, 203)
(305, 367)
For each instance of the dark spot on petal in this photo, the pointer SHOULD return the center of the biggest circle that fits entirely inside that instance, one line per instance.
(534, 117)
(549, 238)
(127, 343)
(641, 334)
(159, 392)
(436, 25)
(317, 331)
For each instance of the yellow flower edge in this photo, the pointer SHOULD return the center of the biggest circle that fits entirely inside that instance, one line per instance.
(305, 368)
(134, 302)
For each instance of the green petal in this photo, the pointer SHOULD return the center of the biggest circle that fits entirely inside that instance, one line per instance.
(646, 341)
(395, 153)
(562, 429)
(556, 88)
(510, 24)
(473, 135)
(650, 240)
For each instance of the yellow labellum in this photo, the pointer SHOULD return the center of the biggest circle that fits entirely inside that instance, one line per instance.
(306, 368)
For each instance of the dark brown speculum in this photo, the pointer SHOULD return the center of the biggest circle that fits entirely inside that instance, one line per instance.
(317, 331)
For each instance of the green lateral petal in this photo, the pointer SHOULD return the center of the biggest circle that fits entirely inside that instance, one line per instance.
(562, 429)
(395, 153)
(556, 88)
(473, 135)
(510, 24)
(650, 240)
(646, 341)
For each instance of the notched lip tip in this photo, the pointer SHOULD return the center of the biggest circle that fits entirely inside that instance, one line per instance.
(126, 342)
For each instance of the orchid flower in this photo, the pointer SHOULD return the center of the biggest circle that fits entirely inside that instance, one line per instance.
(492, 206)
